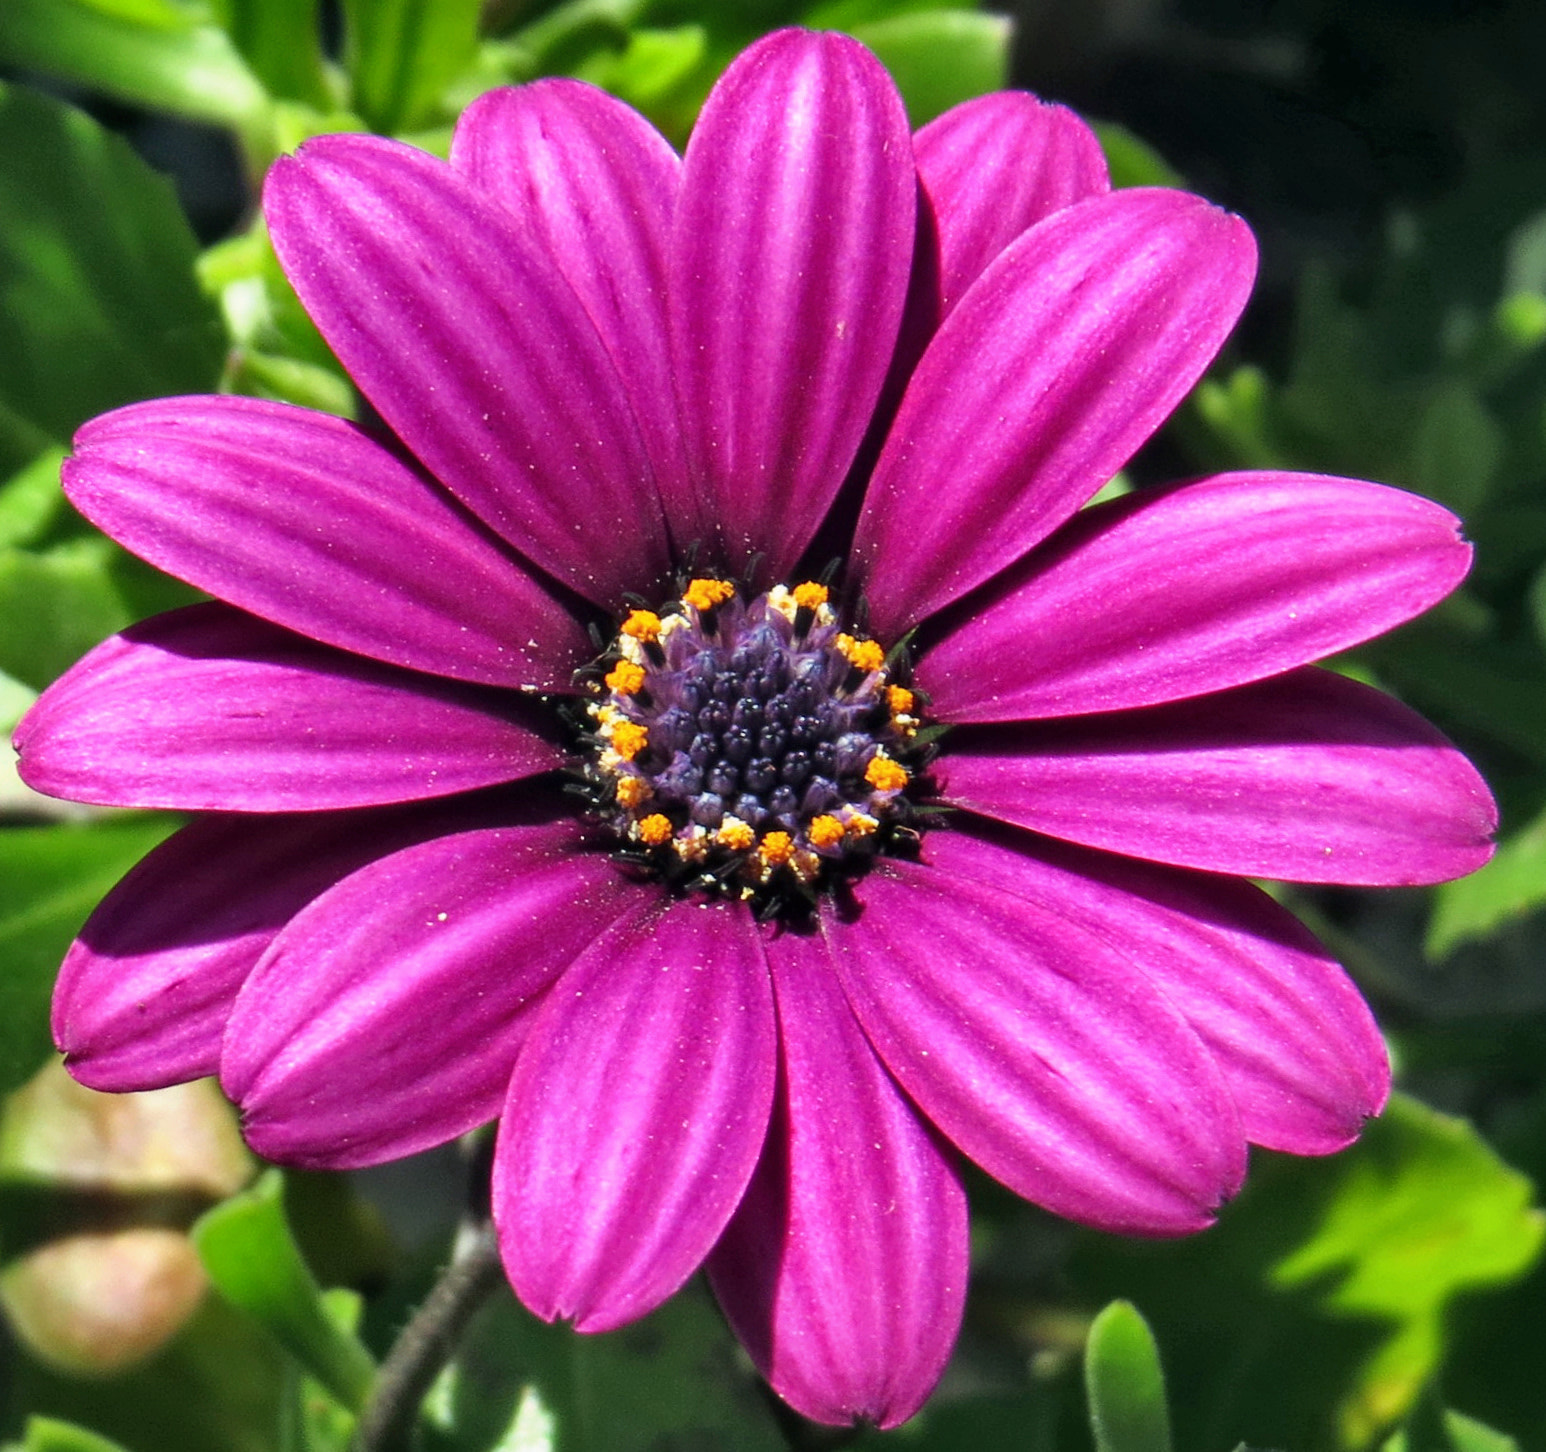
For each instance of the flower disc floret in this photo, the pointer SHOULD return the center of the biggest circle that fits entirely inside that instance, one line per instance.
(750, 746)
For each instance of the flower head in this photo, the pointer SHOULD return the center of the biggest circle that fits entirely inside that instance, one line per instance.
(746, 992)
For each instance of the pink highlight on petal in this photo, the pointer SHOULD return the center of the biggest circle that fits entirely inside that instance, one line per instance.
(336, 1064)
(1179, 592)
(790, 261)
(208, 709)
(1309, 777)
(844, 1270)
(994, 166)
(1063, 357)
(636, 1113)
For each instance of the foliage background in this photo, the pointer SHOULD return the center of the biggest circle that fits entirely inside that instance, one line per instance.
(1391, 155)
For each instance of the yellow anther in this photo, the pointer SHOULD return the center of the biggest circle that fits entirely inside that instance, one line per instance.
(810, 595)
(735, 834)
(642, 625)
(900, 699)
(625, 678)
(777, 848)
(632, 791)
(629, 739)
(861, 824)
(706, 594)
(885, 775)
(824, 831)
(655, 829)
(864, 655)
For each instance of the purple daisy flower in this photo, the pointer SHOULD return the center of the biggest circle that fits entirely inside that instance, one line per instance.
(743, 994)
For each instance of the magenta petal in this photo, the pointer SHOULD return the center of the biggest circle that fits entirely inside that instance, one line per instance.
(596, 184)
(1063, 357)
(304, 520)
(144, 992)
(1177, 593)
(793, 243)
(1309, 777)
(844, 1270)
(637, 1111)
(208, 709)
(387, 1016)
(475, 351)
(996, 165)
(1297, 1045)
(1041, 1050)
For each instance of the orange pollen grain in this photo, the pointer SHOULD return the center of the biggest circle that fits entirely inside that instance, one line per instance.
(629, 739)
(900, 699)
(864, 655)
(885, 775)
(655, 829)
(777, 849)
(625, 678)
(737, 836)
(810, 595)
(706, 594)
(642, 625)
(631, 791)
(825, 831)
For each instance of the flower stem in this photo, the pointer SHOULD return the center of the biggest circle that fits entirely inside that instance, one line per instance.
(425, 1345)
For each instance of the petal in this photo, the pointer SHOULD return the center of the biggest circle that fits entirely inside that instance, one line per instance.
(1040, 1050)
(387, 1016)
(476, 352)
(596, 185)
(844, 1271)
(208, 709)
(145, 991)
(636, 1114)
(1193, 589)
(1307, 778)
(794, 238)
(1297, 1045)
(1064, 356)
(996, 165)
(304, 520)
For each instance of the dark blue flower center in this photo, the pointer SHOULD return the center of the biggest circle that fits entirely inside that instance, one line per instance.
(751, 746)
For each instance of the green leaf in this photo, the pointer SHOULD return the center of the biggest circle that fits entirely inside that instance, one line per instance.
(50, 880)
(47, 1434)
(56, 605)
(1508, 887)
(1124, 1383)
(1455, 450)
(31, 500)
(98, 305)
(651, 67)
(253, 1261)
(1132, 161)
(282, 41)
(940, 58)
(402, 54)
(186, 65)
(1433, 1427)
(1423, 1213)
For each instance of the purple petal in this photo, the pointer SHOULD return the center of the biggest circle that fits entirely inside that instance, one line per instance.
(1297, 1045)
(1064, 356)
(1040, 1050)
(304, 520)
(387, 1016)
(996, 165)
(476, 352)
(639, 1105)
(208, 709)
(844, 1271)
(144, 992)
(1309, 777)
(596, 185)
(794, 238)
(1171, 594)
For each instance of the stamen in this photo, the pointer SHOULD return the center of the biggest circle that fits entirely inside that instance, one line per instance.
(655, 829)
(625, 678)
(629, 739)
(885, 775)
(825, 831)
